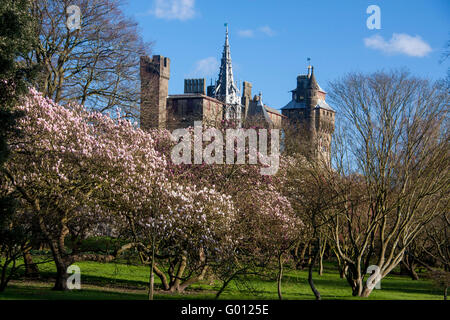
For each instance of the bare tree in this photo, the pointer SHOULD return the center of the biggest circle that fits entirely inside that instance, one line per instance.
(305, 185)
(392, 168)
(437, 235)
(442, 280)
(97, 65)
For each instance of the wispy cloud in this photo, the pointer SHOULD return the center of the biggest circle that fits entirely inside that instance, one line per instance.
(250, 33)
(246, 33)
(267, 31)
(400, 43)
(174, 9)
(205, 67)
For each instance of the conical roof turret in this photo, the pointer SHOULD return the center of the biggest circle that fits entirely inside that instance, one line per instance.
(312, 81)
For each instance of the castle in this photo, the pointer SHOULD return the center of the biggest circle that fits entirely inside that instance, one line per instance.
(309, 118)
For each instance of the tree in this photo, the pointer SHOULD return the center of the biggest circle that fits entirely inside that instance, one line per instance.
(257, 205)
(442, 280)
(97, 65)
(182, 227)
(395, 143)
(437, 245)
(305, 185)
(67, 166)
(16, 40)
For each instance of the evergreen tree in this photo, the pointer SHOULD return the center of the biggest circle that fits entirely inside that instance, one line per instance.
(16, 41)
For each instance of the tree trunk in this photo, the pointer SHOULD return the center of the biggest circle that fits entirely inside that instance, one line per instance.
(62, 260)
(61, 276)
(357, 288)
(321, 254)
(192, 280)
(342, 265)
(303, 253)
(280, 275)
(61, 264)
(152, 274)
(343, 271)
(152, 283)
(162, 277)
(355, 280)
(301, 259)
(31, 269)
(413, 273)
(310, 276)
(445, 293)
(366, 292)
(176, 284)
(408, 267)
(309, 254)
(3, 277)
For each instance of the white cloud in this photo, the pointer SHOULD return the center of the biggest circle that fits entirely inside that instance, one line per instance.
(250, 33)
(246, 33)
(206, 67)
(400, 43)
(267, 31)
(174, 9)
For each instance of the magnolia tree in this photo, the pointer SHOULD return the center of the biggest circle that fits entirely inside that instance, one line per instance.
(183, 230)
(65, 164)
(269, 229)
(263, 226)
(84, 173)
(76, 169)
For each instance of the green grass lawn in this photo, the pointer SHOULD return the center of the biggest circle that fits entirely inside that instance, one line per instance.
(106, 281)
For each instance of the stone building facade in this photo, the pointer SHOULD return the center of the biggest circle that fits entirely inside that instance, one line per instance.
(184, 109)
(307, 112)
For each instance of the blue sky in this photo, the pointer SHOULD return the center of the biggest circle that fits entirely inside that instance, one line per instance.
(271, 40)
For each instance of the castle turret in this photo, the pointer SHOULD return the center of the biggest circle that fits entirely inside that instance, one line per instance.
(246, 97)
(155, 75)
(310, 118)
(312, 101)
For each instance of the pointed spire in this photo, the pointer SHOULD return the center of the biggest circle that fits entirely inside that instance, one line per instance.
(309, 66)
(312, 80)
(226, 35)
(226, 89)
(226, 48)
(262, 109)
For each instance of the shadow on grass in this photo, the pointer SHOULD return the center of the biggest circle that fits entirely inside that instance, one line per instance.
(14, 292)
(102, 281)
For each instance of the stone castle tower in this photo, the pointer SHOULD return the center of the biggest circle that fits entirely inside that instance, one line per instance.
(155, 75)
(309, 118)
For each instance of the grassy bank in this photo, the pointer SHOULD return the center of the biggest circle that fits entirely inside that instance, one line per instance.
(108, 281)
